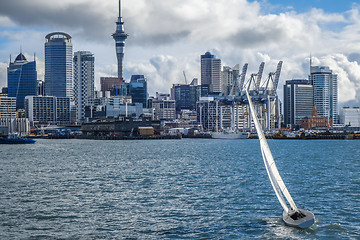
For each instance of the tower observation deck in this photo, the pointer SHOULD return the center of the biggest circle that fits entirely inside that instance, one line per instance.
(120, 36)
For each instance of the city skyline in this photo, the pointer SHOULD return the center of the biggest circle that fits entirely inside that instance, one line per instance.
(168, 38)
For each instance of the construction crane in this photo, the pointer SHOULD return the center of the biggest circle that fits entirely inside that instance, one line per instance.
(277, 74)
(273, 78)
(259, 75)
(242, 77)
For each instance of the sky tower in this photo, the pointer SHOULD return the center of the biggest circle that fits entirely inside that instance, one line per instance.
(120, 36)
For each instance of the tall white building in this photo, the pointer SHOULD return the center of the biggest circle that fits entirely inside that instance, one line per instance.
(325, 92)
(211, 72)
(83, 82)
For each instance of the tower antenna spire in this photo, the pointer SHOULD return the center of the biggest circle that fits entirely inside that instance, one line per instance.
(119, 8)
(120, 36)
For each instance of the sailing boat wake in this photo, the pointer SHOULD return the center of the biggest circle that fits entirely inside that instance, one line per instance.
(292, 216)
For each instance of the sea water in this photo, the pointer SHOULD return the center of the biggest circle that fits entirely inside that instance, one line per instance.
(176, 189)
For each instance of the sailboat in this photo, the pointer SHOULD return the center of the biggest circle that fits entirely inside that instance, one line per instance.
(292, 216)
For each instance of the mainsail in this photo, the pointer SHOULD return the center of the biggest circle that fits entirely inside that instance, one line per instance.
(273, 173)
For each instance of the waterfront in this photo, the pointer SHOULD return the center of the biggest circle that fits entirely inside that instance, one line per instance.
(175, 189)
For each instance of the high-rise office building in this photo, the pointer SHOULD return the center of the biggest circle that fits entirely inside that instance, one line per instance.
(211, 72)
(58, 65)
(22, 79)
(325, 91)
(186, 96)
(120, 36)
(84, 79)
(298, 101)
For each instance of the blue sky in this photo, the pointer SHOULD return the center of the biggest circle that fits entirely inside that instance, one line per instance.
(168, 37)
(301, 6)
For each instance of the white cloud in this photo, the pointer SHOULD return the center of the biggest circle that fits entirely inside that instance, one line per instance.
(167, 37)
(3, 74)
(348, 76)
(6, 22)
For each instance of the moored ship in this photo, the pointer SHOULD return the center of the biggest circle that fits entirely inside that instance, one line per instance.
(15, 139)
(229, 135)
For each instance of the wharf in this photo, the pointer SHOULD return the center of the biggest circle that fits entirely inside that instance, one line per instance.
(150, 137)
(312, 137)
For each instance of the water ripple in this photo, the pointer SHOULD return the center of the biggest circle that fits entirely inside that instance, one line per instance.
(176, 189)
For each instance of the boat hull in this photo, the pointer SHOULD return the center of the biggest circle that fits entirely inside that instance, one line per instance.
(303, 222)
(234, 135)
(16, 141)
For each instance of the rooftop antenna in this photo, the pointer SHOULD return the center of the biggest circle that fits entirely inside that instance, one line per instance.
(310, 63)
(10, 58)
(185, 78)
(34, 57)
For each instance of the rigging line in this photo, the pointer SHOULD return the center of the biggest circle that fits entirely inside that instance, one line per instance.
(17, 90)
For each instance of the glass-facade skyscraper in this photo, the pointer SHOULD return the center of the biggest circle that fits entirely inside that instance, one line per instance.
(186, 96)
(136, 88)
(325, 91)
(22, 79)
(58, 65)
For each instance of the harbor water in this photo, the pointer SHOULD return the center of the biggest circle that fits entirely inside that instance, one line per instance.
(176, 189)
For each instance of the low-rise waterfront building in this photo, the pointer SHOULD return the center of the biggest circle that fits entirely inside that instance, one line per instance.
(350, 116)
(18, 125)
(164, 109)
(48, 109)
(316, 121)
(7, 107)
(121, 127)
(214, 115)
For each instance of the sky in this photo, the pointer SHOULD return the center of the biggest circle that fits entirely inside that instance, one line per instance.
(168, 37)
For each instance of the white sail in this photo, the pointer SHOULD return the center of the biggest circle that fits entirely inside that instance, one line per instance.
(273, 173)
